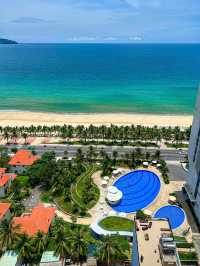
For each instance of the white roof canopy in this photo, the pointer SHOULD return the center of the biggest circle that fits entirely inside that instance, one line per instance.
(114, 194)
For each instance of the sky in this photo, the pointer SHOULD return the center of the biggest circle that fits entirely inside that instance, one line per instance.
(94, 21)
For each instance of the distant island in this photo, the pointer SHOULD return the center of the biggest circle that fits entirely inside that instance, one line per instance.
(6, 41)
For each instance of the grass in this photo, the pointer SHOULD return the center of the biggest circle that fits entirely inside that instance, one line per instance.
(79, 189)
(45, 196)
(63, 204)
(180, 239)
(77, 206)
(114, 223)
(188, 256)
(23, 180)
(184, 245)
(176, 145)
(109, 143)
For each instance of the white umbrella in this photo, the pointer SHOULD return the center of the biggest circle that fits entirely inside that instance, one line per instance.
(172, 198)
(112, 213)
(145, 163)
(154, 162)
(115, 172)
(158, 165)
(104, 183)
(106, 178)
(148, 212)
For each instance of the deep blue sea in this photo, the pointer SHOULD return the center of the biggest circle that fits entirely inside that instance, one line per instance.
(139, 78)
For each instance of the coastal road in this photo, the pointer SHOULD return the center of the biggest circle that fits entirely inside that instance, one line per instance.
(166, 154)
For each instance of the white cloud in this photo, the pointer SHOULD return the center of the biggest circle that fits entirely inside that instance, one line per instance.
(135, 38)
(31, 20)
(82, 39)
(110, 38)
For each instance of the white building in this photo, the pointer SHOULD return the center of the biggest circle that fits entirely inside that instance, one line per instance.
(192, 186)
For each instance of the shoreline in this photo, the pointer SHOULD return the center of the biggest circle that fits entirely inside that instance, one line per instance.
(28, 118)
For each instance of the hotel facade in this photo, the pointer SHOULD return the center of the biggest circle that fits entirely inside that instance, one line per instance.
(192, 186)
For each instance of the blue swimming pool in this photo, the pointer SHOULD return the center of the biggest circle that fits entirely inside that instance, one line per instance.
(175, 215)
(139, 188)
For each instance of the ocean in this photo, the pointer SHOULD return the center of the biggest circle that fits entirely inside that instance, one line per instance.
(100, 78)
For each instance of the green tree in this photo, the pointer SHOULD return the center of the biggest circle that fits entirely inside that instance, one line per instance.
(8, 235)
(25, 250)
(79, 244)
(62, 245)
(109, 249)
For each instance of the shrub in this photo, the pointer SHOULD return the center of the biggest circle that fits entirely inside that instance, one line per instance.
(141, 215)
(184, 245)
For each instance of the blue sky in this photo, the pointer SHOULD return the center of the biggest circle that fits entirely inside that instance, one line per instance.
(100, 20)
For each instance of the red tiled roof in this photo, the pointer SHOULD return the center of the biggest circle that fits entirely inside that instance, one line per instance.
(39, 220)
(4, 207)
(5, 178)
(2, 170)
(23, 158)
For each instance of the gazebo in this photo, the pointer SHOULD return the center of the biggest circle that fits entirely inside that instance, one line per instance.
(114, 195)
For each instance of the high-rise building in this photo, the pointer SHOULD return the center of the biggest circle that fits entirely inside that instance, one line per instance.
(192, 186)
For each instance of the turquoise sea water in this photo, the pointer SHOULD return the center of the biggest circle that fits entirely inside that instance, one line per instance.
(143, 78)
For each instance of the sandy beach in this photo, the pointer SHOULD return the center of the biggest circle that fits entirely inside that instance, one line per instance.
(22, 118)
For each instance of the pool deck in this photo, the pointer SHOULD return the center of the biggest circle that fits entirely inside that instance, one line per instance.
(149, 249)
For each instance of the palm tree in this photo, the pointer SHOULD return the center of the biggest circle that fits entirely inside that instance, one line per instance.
(62, 245)
(79, 244)
(8, 235)
(25, 249)
(6, 136)
(17, 208)
(25, 135)
(40, 242)
(108, 249)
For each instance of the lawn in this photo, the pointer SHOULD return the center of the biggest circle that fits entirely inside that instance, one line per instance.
(23, 181)
(78, 190)
(188, 256)
(114, 223)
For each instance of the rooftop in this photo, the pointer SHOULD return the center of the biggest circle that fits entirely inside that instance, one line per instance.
(39, 220)
(5, 178)
(4, 207)
(149, 249)
(48, 256)
(8, 259)
(23, 158)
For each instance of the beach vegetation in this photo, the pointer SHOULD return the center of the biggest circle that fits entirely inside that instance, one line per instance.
(107, 135)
